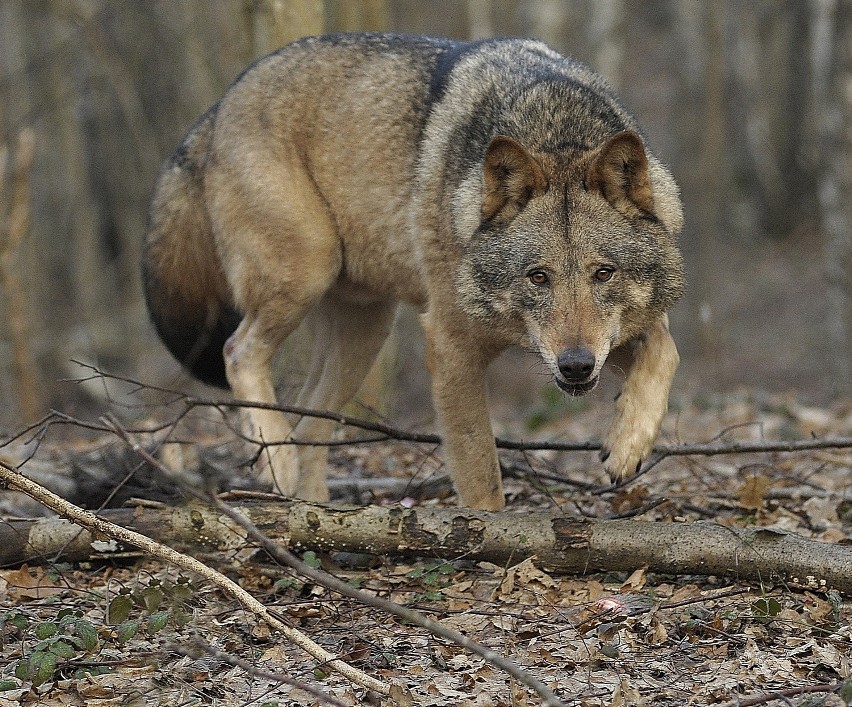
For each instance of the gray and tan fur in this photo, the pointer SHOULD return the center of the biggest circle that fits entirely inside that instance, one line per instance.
(498, 187)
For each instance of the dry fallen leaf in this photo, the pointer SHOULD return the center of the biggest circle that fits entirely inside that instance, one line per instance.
(525, 574)
(753, 490)
(635, 581)
(26, 583)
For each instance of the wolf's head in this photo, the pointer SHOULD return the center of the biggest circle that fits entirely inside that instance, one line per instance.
(573, 252)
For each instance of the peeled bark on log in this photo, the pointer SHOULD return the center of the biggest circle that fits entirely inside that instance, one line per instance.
(561, 544)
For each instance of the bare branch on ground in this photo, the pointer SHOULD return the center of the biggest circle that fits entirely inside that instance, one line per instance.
(98, 528)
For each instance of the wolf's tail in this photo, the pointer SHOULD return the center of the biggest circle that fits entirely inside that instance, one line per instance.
(185, 288)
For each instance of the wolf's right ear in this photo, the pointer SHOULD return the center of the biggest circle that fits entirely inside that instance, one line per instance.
(511, 176)
(619, 172)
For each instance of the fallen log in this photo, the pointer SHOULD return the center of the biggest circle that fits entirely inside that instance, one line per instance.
(561, 544)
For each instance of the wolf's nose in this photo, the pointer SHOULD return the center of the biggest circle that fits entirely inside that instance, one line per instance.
(576, 364)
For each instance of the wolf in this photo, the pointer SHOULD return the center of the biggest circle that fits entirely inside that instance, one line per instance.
(498, 187)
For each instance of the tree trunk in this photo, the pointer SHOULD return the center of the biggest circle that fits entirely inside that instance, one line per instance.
(559, 543)
(272, 24)
(831, 71)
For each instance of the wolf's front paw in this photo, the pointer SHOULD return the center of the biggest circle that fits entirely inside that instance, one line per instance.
(628, 442)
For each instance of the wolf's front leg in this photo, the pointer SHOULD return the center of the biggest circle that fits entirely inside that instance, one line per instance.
(457, 366)
(650, 362)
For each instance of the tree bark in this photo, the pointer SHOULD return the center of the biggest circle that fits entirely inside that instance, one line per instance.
(560, 544)
(831, 70)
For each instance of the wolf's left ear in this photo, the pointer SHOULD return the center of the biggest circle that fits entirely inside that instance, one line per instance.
(619, 171)
(511, 176)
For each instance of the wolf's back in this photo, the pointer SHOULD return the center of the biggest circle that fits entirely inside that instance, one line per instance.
(185, 288)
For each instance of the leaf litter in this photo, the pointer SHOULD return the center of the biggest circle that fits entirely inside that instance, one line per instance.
(600, 640)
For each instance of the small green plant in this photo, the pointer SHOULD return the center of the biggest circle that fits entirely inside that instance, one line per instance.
(49, 648)
(311, 560)
(47, 645)
(765, 609)
(552, 406)
(158, 603)
(433, 577)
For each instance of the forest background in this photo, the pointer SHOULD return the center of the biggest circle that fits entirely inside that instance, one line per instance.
(749, 101)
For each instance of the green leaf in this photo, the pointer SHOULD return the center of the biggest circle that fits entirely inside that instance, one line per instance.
(42, 667)
(46, 629)
(19, 621)
(157, 621)
(311, 560)
(765, 608)
(609, 651)
(73, 613)
(87, 634)
(180, 593)
(93, 670)
(8, 685)
(152, 598)
(22, 669)
(180, 618)
(126, 630)
(63, 650)
(119, 609)
(845, 691)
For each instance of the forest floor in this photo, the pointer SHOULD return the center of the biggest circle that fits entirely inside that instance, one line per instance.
(127, 631)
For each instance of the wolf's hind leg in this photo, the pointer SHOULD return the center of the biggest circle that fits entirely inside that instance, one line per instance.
(280, 252)
(347, 337)
(248, 366)
(650, 361)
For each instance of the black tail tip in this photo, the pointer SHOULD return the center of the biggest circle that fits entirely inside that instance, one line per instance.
(199, 348)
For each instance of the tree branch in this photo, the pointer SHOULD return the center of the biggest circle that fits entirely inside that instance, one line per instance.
(99, 527)
(560, 543)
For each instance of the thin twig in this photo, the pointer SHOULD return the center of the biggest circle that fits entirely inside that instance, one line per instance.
(781, 695)
(13, 230)
(633, 512)
(387, 432)
(205, 648)
(97, 525)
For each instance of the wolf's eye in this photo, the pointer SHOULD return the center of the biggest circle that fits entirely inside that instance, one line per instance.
(604, 273)
(538, 277)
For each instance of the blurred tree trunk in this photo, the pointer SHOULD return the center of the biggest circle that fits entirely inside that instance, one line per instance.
(70, 287)
(606, 32)
(273, 23)
(769, 67)
(359, 15)
(831, 112)
(701, 36)
(14, 228)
